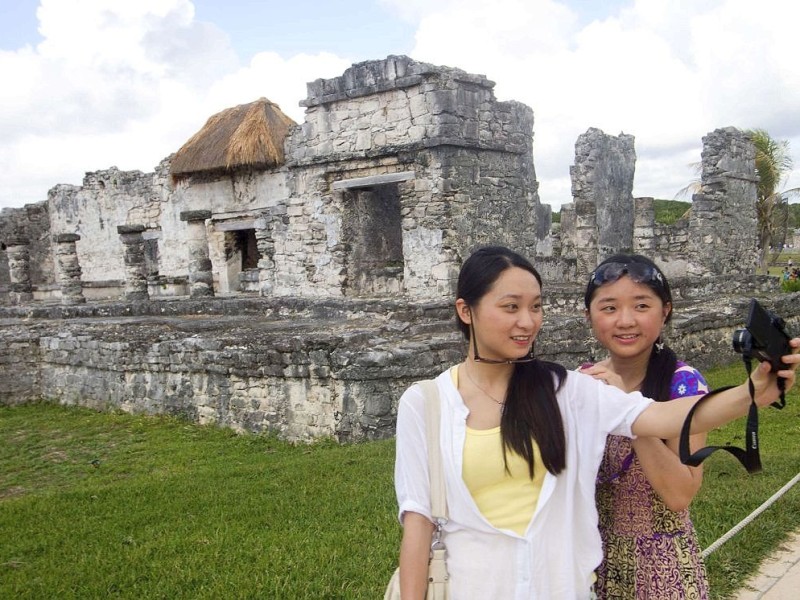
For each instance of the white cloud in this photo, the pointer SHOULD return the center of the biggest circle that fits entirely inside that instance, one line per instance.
(282, 81)
(664, 71)
(126, 83)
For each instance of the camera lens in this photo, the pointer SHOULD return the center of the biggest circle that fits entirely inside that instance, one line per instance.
(742, 340)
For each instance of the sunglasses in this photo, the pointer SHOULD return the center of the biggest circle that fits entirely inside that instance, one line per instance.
(638, 272)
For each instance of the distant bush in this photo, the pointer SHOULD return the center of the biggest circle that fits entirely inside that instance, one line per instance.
(791, 285)
(667, 211)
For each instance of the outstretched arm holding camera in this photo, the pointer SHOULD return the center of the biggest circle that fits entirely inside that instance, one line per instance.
(665, 419)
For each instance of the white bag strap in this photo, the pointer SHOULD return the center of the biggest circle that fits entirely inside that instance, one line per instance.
(433, 412)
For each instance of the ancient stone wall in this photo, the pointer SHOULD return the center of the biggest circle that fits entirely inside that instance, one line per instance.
(31, 225)
(399, 170)
(793, 238)
(94, 210)
(723, 231)
(303, 372)
(602, 184)
(665, 244)
(20, 364)
(425, 151)
(717, 237)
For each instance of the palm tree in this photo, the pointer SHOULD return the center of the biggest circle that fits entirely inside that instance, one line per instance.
(773, 165)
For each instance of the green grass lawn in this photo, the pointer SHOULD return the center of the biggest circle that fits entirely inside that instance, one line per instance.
(98, 505)
(110, 505)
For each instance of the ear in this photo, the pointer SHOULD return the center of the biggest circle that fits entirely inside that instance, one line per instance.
(587, 315)
(666, 312)
(463, 311)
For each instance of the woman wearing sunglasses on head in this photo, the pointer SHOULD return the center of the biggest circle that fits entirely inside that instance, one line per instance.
(643, 490)
(521, 441)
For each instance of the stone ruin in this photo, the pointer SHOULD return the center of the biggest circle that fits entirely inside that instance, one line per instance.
(301, 295)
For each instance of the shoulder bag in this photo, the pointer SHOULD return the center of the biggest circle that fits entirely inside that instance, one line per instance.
(438, 580)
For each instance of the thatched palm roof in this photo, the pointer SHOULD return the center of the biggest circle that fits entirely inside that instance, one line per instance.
(245, 135)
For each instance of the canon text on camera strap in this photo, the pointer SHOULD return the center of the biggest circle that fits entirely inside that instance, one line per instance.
(749, 456)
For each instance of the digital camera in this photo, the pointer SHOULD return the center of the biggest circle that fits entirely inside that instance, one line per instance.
(764, 337)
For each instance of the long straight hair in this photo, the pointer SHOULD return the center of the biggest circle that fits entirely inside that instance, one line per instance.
(530, 413)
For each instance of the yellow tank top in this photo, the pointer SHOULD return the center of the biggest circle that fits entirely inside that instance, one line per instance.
(506, 500)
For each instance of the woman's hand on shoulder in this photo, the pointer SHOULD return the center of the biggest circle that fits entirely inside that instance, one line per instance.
(602, 373)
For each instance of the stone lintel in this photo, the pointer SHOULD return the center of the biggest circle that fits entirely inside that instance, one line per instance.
(372, 180)
(433, 142)
(17, 240)
(60, 238)
(195, 215)
(235, 225)
(122, 229)
(151, 234)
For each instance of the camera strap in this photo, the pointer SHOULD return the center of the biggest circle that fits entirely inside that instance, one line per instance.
(749, 456)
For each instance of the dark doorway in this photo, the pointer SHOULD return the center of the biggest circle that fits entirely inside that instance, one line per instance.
(246, 245)
(372, 229)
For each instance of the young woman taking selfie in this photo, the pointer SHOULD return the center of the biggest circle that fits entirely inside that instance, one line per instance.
(521, 441)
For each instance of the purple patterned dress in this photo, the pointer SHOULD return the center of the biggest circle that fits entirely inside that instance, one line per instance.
(649, 551)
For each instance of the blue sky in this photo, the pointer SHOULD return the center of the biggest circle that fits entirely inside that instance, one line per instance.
(91, 84)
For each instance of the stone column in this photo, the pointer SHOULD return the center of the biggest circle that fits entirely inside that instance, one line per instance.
(602, 184)
(135, 267)
(585, 236)
(68, 269)
(201, 280)
(567, 230)
(644, 219)
(264, 228)
(20, 290)
(723, 224)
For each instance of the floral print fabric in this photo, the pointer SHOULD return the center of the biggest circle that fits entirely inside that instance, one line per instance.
(649, 551)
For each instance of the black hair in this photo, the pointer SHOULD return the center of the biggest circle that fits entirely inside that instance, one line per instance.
(657, 383)
(531, 411)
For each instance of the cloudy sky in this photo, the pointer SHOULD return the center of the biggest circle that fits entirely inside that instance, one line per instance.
(90, 84)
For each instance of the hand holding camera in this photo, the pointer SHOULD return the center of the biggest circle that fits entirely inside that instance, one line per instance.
(765, 339)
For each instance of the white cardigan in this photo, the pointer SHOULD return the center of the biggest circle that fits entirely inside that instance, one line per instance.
(561, 547)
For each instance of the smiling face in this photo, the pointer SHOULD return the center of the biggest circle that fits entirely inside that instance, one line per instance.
(506, 320)
(627, 317)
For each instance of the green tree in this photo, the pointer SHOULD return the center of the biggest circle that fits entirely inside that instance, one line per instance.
(773, 165)
(794, 216)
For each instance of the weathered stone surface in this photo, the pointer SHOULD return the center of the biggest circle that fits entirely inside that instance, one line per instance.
(304, 371)
(195, 215)
(135, 262)
(602, 184)
(723, 221)
(19, 272)
(128, 229)
(68, 268)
